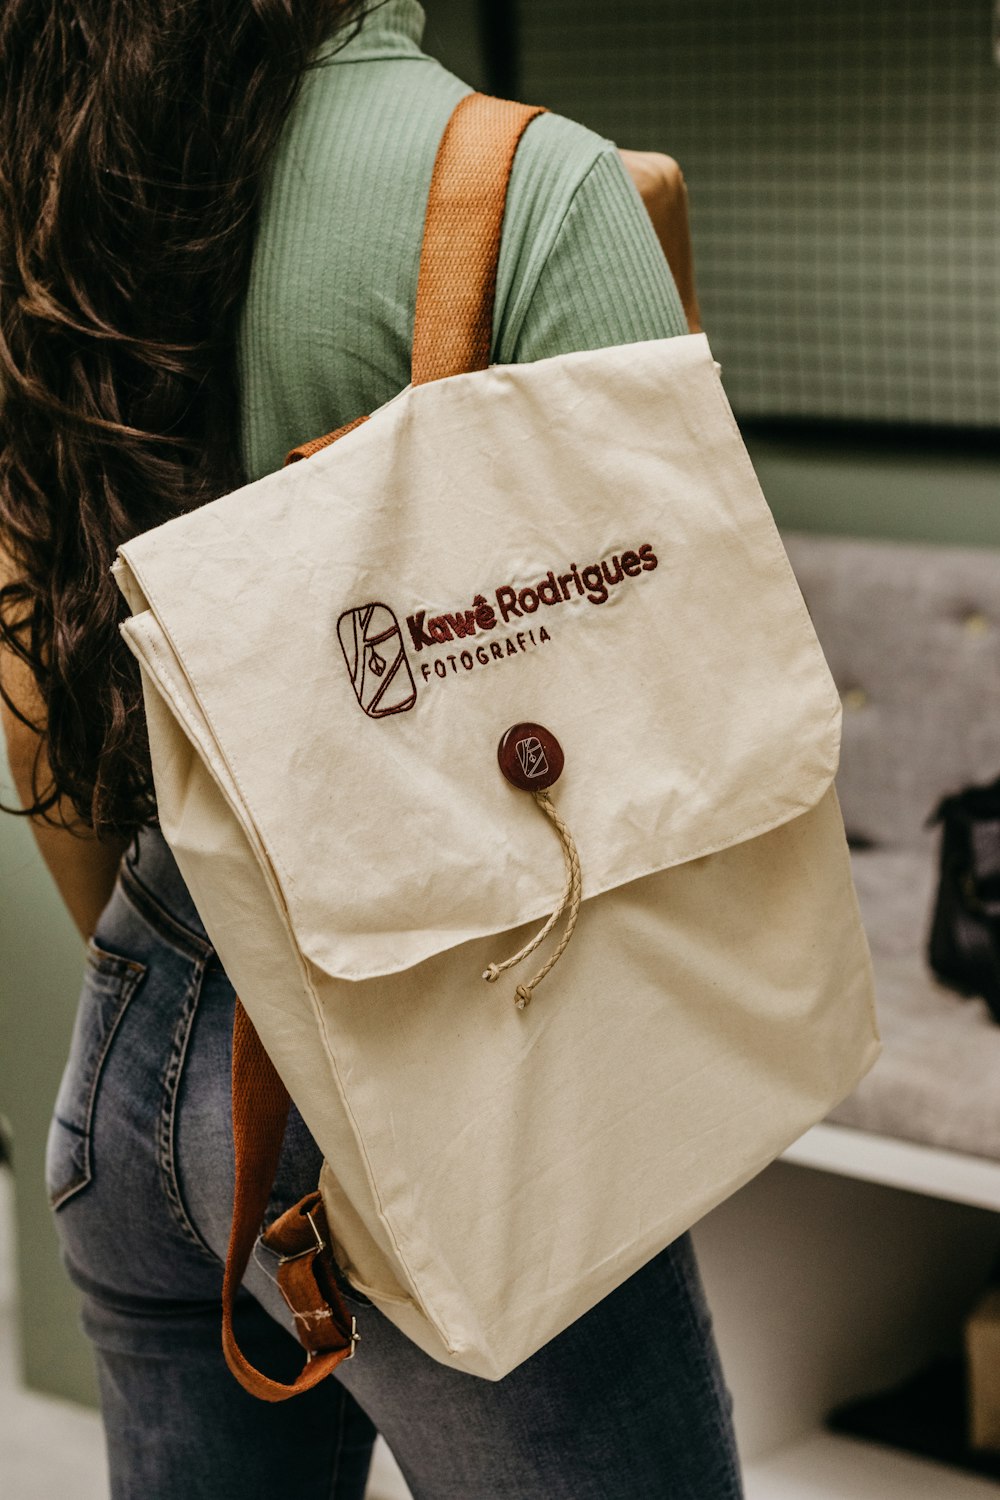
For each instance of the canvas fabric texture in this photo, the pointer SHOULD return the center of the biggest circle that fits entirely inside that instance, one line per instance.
(491, 1172)
(330, 657)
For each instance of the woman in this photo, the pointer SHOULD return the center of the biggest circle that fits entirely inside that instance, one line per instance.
(211, 223)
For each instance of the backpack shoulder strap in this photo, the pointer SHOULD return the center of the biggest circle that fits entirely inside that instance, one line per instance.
(452, 333)
(453, 327)
(456, 286)
(300, 1238)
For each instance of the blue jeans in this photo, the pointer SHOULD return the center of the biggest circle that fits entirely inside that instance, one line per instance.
(627, 1404)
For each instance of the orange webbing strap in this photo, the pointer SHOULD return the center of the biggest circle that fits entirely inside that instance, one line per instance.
(456, 286)
(300, 1237)
(453, 331)
(452, 334)
(453, 327)
(306, 450)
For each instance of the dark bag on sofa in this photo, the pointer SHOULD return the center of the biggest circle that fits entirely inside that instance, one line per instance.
(965, 931)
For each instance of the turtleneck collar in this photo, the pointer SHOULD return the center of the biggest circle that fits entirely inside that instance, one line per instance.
(392, 28)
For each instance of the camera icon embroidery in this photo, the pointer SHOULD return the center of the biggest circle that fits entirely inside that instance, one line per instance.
(531, 757)
(380, 674)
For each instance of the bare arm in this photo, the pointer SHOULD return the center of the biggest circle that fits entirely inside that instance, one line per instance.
(83, 867)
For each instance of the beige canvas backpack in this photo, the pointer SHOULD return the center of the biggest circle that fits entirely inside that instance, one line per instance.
(522, 648)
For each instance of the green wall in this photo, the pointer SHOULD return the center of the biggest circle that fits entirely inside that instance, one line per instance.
(845, 200)
(453, 36)
(916, 489)
(41, 961)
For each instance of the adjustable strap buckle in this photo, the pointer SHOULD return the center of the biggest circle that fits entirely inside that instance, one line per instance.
(322, 1248)
(307, 1279)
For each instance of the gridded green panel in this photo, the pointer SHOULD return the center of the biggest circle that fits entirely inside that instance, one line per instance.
(844, 168)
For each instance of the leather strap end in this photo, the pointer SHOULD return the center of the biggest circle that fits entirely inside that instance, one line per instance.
(300, 1236)
(307, 1278)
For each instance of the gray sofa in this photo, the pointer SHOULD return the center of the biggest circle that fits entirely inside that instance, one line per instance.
(912, 635)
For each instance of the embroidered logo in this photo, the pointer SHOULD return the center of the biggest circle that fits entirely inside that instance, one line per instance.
(531, 757)
(492, 630)
(372, 644)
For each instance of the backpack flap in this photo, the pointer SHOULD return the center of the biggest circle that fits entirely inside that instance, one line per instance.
(579, 543)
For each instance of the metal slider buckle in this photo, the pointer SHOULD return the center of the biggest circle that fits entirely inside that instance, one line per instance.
(312, 1354)
(320, 1242)
(317, 1249)
(319, 1246)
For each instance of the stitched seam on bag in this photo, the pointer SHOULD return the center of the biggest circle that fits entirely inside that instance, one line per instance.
(217, 740)
(740, 836)
(183, 716)
(779, 555)
(212, 763)
(367, 1289)
(769, 825)
(422, 1306)
(778, 548)
(751, 831)
(319, 1018)
(194, 737)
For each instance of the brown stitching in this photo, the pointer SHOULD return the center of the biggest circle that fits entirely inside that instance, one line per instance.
(357, 670)
(372, 709)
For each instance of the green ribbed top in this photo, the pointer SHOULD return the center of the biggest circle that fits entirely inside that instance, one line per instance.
(328, 320)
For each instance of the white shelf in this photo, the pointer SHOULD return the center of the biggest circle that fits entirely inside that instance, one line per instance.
(824, 1466)
(901, 1164)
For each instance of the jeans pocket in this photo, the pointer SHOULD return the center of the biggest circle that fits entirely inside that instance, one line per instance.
(109, 984)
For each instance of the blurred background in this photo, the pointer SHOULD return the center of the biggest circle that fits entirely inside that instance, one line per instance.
(842, 167)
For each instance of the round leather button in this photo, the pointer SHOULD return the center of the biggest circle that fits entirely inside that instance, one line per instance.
(530, 757)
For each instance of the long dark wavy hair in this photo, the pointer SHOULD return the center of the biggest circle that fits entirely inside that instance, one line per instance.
(134, 135)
